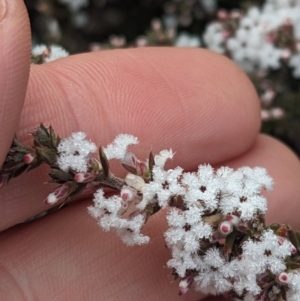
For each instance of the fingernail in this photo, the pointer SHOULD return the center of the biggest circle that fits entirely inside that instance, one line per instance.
(2, 9)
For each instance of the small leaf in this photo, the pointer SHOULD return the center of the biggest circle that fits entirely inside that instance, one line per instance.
(47, 154)
(58, 174)
(104, 161)
(129, 168)
(55, 140)
(151, 163)
(229, 241)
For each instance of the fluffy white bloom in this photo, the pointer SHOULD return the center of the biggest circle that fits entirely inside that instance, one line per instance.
(162, 157)
(118, 148)
(295, 64)
(186, 40)
(214, 37)
(211, 279)
(183, 236)
(38, 50)
(293, 294)
(241, 192)
(203, 186)
(265, 254)
(56, 52)
(109, 210)
(51, 53)
(165, 183)
(74, 152)
(252, 45)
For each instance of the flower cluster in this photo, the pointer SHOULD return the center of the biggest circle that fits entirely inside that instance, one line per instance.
(260, 39)
(43, 54)
(217, 236)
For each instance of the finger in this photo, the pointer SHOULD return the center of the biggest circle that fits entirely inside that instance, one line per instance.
(65, 256)
(284, 167)
(196, 102)
(14, 66)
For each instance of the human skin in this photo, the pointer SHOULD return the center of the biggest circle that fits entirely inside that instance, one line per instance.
(197, 103)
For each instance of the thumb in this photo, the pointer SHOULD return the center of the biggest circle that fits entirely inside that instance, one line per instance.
(14, 65)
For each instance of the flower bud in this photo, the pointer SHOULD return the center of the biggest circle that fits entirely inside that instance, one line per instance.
(128, 194)
(28, 158)
(233, 219)
(129, 162)
(293, 250)
(60, 193)
(83, 177)
(184, 285)
(225, 228)
(135, 181)
(283, 278)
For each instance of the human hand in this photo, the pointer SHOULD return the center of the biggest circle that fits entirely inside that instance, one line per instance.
(195, 102)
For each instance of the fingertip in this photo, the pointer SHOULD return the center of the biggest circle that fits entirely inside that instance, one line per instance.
(14, 66)
(197, 102)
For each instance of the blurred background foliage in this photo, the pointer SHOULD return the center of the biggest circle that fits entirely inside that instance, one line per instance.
(94, 25)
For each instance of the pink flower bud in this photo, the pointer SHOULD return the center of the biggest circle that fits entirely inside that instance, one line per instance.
(28, 158)
(225, 228)
(283, 278)
(294, 250)
(51, 199)
(83, 177)
(60, 193)
(222, 14)
(128, 193)
(233, 219)
(184, 285)
(281, 240)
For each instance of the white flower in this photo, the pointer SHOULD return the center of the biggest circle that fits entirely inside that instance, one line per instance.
(164, 185)
(162, 157)
(214, 37)
(211, 279)
(38, 50)
(50, 54)
(108, 212)
(265, 254)
(118, 148)
(295, 64)
(252, 44)
(186, 40)
(74, 152)
(241, 192)
(202, 186)
(183, 237)
(56, 52)
(293, 294)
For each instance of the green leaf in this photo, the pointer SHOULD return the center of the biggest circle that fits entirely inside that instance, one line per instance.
(104, 161)
(229, 241)
(47, 154)
(151, 163)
